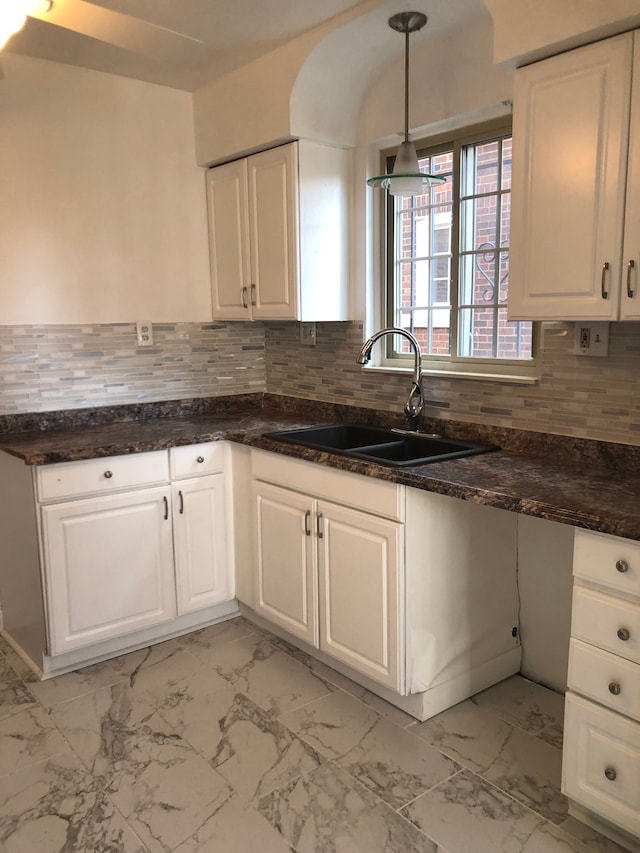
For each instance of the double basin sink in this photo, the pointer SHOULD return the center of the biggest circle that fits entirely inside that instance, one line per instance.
(377, 444)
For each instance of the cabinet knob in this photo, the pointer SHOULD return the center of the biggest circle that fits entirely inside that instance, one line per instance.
(623, 634)
(622, 566)
(610, 773)
(614, 688)
(200, 459)
(108, 474)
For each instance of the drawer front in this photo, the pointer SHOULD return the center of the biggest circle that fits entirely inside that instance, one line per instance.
(95, 476)
(342, 487)
(607, 678)
(607, 560)
(194, 460)
(609, 623)
(601, 762)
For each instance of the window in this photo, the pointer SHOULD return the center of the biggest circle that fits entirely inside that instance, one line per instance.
(448, 261)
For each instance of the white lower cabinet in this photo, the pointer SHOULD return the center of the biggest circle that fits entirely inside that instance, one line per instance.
(287, 565)
(328, 575)
(601, 756)
(133, 549)
(202, 557)
(360, 585)
(108, 567)
(391, 585)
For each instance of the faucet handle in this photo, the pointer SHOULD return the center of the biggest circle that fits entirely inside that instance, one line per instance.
(414, 405)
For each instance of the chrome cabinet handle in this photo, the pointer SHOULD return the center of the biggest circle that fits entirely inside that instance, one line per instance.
(181, 496)
(253, 295)
(200, 459)
(108, 474)
(245, 304)
(319, 526)
(166, 508)
(615, 688)
(623, 634)
(630, 266)
(622, 566)
(610, 773)
(307, 523)
(603, 289)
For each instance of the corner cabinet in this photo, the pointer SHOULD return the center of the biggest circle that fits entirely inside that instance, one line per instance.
(278, 234)
(575, 246)
(132, 549)
(412, 594)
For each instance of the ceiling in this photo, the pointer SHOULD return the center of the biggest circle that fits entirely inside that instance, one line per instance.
(186, 43)
(178, 43)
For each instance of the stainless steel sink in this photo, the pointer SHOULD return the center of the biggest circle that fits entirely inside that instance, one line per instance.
(377, 444)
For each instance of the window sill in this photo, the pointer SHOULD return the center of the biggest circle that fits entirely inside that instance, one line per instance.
(477, 375)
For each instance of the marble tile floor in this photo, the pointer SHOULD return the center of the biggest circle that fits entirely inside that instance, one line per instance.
(230, 741)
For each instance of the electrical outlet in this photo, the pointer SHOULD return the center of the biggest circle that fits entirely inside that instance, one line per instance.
(591, 339)
(308, 334)
(144, 333)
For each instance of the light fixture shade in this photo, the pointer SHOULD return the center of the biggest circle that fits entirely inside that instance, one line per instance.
(406, 178)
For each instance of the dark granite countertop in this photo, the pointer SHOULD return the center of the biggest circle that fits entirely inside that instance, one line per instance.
(594, 485)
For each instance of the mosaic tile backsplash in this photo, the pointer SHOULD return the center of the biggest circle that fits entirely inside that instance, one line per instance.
(45, 368)
(597, 398)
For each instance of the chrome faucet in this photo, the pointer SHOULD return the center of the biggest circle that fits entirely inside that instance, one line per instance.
(415, 402)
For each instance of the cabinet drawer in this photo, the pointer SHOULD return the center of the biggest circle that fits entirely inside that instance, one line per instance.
(604, 621)
(607, 560)
(108, 474)
(193, 460)
(342, 487)
(607, 678)
(601, 762)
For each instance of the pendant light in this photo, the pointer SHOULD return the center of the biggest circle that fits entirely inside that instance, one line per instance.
(406, 179)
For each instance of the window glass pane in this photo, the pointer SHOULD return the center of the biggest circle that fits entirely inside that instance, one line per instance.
(514, 337)
(478, 223)
(505, 220)
(431, 327)
(478, 278)
(506, 163)
(485, 160)
(475, 332)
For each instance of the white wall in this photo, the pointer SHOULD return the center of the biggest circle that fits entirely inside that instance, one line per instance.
(102, 206)
(526, 30)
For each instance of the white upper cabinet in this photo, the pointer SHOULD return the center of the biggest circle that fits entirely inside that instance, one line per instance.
(278, 234)
(571, 140)
(630, 298)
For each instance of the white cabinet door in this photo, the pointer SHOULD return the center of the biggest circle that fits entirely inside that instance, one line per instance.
(203, 567)
(361, 592)
(227, 198)
(108, 567)
(273, 218)
(630, 298)
(570, 137)
(286, 591)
